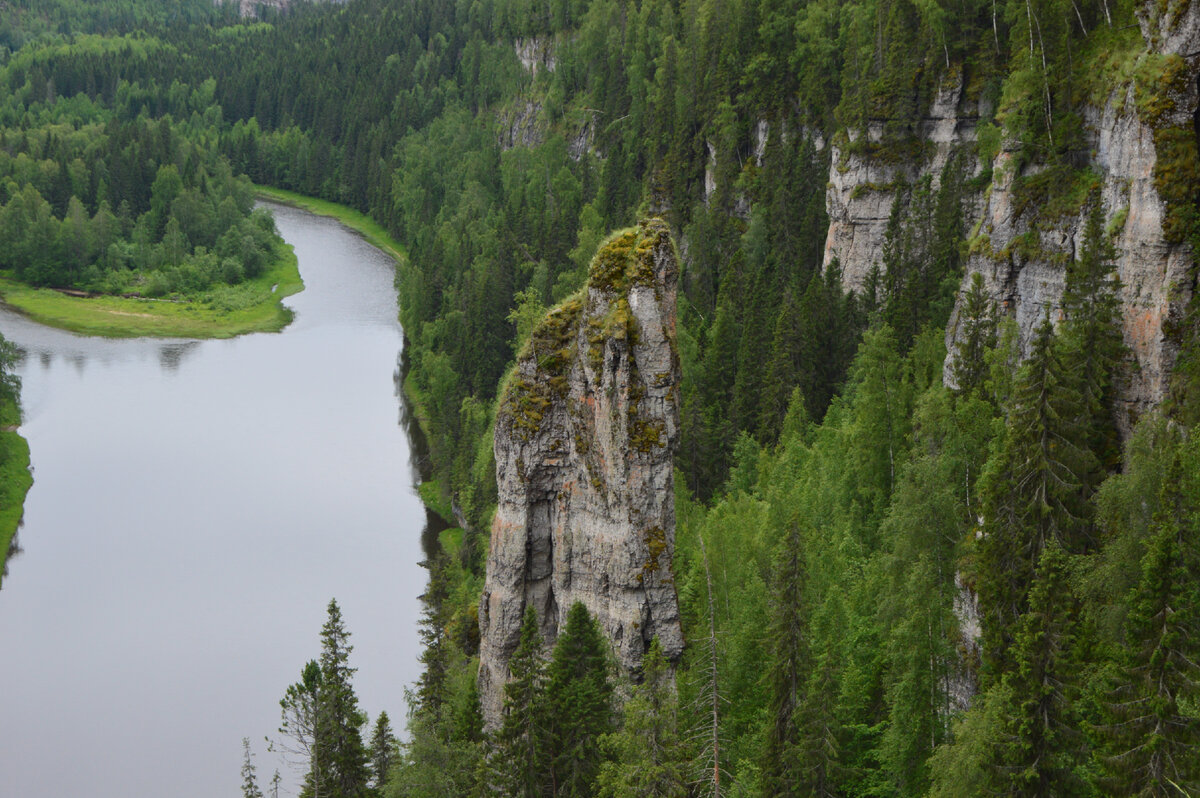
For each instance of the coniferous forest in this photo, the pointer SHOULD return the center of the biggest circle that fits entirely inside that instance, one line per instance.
(902, 569)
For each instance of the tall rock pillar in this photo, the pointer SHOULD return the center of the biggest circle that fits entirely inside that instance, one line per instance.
(585, 436)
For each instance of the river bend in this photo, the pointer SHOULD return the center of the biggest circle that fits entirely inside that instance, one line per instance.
(195, 506)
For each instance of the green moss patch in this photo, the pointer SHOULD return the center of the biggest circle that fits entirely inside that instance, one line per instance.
(624, 260)
(1160, 82)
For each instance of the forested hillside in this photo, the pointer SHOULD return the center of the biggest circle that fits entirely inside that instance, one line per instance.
(903, 568)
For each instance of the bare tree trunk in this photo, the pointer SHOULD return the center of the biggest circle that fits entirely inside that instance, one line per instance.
(995, 29)
(1079, 16)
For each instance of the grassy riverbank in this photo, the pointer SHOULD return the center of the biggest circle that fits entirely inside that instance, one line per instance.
(15, 478)
(359, 222)
(222, 312)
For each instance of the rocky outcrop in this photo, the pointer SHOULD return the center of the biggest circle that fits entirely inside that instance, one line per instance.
(1021, 248)
(522, 122)
(535, 53)
(1022, 258)
(584, 439)
(251, 8)
(865, 176)
(521, 125)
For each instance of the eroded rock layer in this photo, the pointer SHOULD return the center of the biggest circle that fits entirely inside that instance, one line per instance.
(584, 440)
(1141, 139)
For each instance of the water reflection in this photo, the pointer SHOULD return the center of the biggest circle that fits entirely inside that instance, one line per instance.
(171, 355)
(14, 551)
(418, 451)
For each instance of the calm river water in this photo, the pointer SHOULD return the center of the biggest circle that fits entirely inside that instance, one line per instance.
(195, 506)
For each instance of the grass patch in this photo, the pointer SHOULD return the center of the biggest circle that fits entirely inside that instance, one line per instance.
(15, 480)
(451, 541)
(435, 499)
(221, 312)
(359, 222)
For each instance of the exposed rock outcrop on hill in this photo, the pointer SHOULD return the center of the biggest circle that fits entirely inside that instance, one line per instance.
(584, 440)
(1021, 248)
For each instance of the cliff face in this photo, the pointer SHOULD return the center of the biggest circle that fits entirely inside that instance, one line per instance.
(250, 8)
(863, 184)
(1020, 251)
(584, 440)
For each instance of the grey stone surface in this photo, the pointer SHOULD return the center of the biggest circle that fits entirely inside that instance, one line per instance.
(584, 440)
(1154, 282)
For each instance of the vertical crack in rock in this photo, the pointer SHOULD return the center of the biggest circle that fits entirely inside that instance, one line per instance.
(585, 437)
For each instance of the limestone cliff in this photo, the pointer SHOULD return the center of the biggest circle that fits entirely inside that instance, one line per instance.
(1021, 247)
(251, 8)
(863, 184)
(584, 439)
(1142, 138)
(1022, 261)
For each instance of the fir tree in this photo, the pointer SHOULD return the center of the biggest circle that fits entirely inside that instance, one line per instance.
(249, 778)
(519, 761)
(648, 756)
(578, 703)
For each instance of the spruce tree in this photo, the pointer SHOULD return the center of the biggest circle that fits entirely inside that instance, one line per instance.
(383, 750)
(344, 770)
(518, 760)
(1150, 738)
(1051, 457)
(882, 399)
(782, 367)
(1042, 747)
(649, 758)
(1092, 341)
(819, 770)
(789, 665)
(977, 335)
(1032, 494)
(578, 705)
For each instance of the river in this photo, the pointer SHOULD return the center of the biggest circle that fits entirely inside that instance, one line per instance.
(195, 506)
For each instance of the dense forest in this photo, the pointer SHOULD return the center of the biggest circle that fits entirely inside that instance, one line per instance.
(845, 515)
(109, 194)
